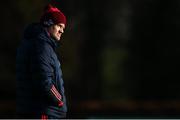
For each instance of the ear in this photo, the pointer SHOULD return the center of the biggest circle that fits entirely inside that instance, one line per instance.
(49, 29)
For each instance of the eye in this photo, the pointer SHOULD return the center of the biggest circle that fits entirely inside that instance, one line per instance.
(58, 26)
(61, 26)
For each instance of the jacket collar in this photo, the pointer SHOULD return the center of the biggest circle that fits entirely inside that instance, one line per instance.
(46, 37)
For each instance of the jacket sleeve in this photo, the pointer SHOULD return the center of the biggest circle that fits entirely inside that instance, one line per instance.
(43, 72)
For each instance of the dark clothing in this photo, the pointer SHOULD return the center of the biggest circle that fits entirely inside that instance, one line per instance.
(39, 76)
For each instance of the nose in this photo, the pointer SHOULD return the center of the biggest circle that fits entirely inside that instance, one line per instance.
(61, 31)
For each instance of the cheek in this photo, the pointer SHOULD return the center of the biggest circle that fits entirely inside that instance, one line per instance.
(56, 31)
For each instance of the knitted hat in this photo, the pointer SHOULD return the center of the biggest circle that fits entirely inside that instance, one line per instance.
(52, 15)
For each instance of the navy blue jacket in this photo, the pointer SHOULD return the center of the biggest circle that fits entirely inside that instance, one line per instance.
(39, 77)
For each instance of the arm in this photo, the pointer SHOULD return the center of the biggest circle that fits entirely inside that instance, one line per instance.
(43, 72)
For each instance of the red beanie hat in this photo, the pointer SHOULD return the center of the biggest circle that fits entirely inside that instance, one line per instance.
(52, 15)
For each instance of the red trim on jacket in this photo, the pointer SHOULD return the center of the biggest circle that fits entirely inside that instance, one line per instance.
(56, 93)
(53, 87)
(44, 117)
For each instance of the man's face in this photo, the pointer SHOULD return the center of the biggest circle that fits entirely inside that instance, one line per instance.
(56, 31)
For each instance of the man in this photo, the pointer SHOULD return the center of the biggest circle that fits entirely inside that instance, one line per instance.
(40, 91)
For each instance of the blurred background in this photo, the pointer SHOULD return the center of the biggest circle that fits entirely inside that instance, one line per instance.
(120, 58)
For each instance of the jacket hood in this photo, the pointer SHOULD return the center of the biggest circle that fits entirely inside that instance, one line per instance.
(36, 30)
(32, 31)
